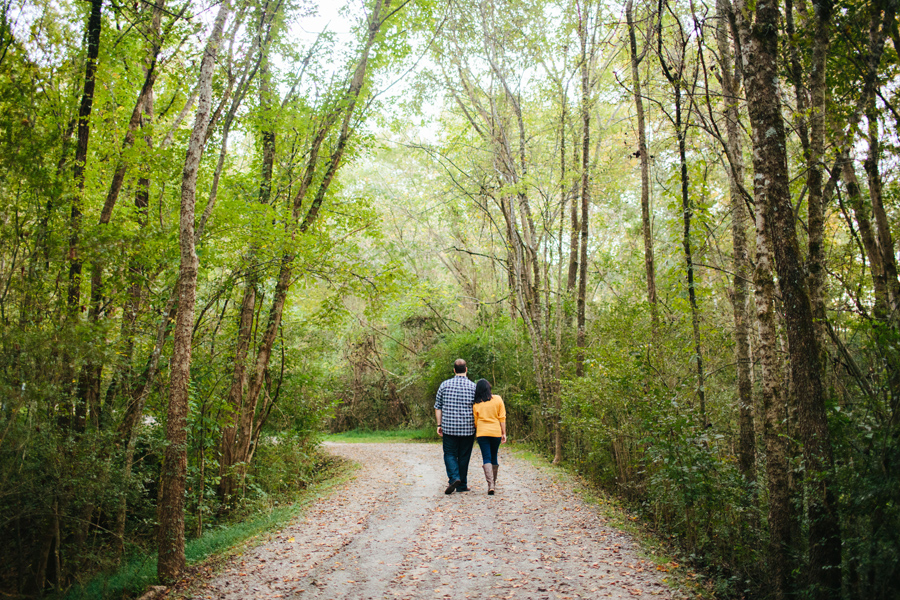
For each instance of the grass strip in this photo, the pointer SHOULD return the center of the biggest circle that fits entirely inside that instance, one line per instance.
(365, 436)
(139, 571)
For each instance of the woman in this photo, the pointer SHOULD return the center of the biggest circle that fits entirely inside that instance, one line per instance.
(490, 429)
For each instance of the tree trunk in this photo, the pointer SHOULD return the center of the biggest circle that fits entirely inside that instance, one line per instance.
(563, 197)
(675, 78)
(687, 214)
(811, 102)
(882, 224)
(869, 241)
(775, 413)
(770, 166)
(731, 84)
(171, 559)
(644, 156)
(572, 279)
(238, 387)
(94, 26)
(585, 190)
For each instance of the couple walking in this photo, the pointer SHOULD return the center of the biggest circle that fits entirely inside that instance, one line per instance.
(467, 412)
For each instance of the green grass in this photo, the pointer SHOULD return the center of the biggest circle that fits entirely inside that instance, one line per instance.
(425, 434)
(139, 572)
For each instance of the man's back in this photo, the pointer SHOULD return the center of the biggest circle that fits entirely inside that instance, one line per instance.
(454, 399)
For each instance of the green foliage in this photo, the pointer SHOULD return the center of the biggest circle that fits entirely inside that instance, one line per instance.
(282, 504)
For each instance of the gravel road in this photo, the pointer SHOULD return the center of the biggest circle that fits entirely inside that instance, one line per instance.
(391, 532)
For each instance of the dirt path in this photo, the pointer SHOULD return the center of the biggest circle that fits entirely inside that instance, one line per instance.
(390, 532)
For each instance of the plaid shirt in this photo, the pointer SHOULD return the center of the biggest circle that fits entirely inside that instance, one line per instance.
(454, 400)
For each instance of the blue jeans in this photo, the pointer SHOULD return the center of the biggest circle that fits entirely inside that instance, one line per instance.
(490, 447)
(457, 451)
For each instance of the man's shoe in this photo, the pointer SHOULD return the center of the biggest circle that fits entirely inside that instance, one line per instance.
(452, 487)
(463, 489)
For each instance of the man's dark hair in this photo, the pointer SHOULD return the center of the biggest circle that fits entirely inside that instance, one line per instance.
(482, 391)
(459, 366)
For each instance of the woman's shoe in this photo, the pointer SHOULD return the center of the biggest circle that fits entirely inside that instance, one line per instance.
(489, 477)
(496, 468)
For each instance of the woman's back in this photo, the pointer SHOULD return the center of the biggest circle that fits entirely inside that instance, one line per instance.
(488, 416)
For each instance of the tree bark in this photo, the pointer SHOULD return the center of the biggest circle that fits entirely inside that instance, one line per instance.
(644, 156)
(171, 559)
(90, 377)
(780, 517)
(869, 241)
(676, 80)
(563, 197)
(882, 224)
(770, 166)
(731, 84)
(572, 279)
(94, 26)
(586, 57)
(811, 102)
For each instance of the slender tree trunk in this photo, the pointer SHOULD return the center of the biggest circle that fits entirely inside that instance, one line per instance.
(644, 156)
(869, 241)
(94, 26)
(676, 80)
(563, 197)
(171, 559)
(585, 191)
(811, 102)
(227, 482)
(122, 381)
(731, 84)
(770, 166)
(572, 279)
(882, 224)
(261, 44)
(687, 212)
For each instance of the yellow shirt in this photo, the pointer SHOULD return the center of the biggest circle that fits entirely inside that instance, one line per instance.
(488, 416)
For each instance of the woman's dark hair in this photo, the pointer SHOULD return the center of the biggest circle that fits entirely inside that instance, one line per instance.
(482, 391)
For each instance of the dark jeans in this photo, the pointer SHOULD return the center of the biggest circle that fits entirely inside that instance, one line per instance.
(457, 451)
(490, 448)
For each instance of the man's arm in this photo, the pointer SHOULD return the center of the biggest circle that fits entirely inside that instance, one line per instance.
(438, 408)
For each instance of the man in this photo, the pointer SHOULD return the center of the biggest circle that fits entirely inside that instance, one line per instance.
(456, 425)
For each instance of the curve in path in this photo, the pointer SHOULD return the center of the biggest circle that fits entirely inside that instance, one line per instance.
(391, 532)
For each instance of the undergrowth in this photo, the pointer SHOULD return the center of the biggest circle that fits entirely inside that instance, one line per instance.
(266, 513)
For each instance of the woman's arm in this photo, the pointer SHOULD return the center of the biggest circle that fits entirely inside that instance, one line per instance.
(502, 432)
